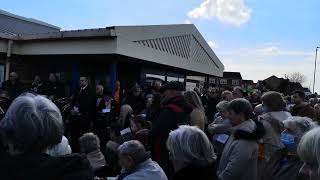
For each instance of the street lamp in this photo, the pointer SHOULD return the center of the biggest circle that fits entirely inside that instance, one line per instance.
(315, 68)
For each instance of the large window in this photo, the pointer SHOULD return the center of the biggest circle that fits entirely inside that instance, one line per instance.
(169, 79)
(235, 82)
(212, 80)
(223, 81)
(181, 80)
(155, 76)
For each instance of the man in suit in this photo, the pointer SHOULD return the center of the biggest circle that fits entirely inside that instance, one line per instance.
(83, 110)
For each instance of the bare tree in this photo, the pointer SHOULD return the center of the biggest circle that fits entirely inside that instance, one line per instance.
(297, 77)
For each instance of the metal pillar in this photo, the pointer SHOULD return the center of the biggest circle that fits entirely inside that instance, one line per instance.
(113, 76)
(9, 49)
(75, 78)
(315, 69)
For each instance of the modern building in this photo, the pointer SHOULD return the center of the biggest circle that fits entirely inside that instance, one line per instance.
(126, 53)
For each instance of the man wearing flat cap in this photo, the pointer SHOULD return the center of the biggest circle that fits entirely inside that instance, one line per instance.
(175, 111)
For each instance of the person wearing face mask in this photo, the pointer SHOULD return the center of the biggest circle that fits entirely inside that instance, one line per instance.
(295, 128)
(285, 163)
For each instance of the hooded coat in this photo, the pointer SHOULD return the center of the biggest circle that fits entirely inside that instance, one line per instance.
(240, 155)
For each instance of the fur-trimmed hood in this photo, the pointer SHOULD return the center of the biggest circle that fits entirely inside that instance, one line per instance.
(249, 130)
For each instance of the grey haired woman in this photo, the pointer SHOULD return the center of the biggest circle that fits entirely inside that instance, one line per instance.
(30, 127)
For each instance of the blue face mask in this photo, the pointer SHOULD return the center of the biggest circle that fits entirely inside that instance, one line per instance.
(264, 109)
(288, 140)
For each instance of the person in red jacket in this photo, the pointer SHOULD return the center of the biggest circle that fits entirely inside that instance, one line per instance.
(175, 111)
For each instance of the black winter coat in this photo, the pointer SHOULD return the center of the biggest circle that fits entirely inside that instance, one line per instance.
(45, 167)
(193, 172)
(210, 108)
(55, 89)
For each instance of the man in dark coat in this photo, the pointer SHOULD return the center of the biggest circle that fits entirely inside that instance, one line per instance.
(175, 111)
(83, 111)
(13, 86)
(135, 99)
(211, 103)
(54, 88)
(106, 111)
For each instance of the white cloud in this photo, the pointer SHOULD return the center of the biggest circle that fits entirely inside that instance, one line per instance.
(187, 21)
(267, 52)
(213, 45)
(233, 12)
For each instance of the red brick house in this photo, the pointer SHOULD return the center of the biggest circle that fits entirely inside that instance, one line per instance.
(229, 79)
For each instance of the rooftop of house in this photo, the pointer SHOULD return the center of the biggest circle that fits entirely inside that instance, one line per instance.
(232, 75)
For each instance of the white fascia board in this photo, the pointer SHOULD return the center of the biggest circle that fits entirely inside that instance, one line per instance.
(72, 46)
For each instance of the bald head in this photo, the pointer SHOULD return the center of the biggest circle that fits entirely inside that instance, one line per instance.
(13, 76)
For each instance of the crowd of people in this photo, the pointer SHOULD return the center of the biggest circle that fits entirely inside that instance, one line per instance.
(160, 132)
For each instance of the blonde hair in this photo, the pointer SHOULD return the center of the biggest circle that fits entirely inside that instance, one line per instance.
(193, 99)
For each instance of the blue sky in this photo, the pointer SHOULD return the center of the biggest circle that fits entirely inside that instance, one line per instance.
(258, 38)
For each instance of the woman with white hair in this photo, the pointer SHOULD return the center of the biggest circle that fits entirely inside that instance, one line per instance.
(285, 163)
(309, 153)
(192, 154)
(197, 116)
(136, 163)
(90, 145)
(30, 127)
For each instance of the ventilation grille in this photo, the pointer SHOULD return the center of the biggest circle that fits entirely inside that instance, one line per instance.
(199, 55)
(185, 46)
(177, 45)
